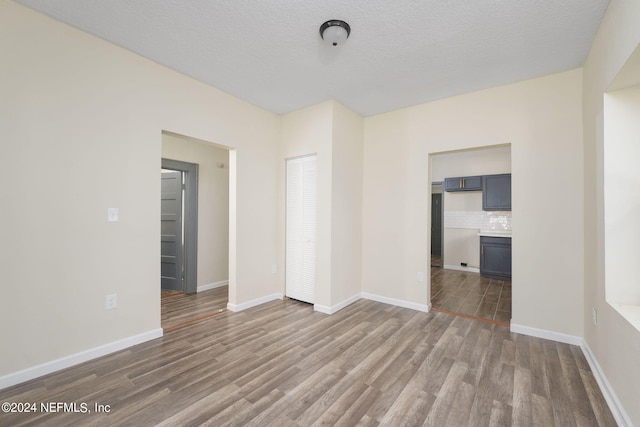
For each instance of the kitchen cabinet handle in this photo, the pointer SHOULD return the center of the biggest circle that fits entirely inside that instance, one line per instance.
(461, 183)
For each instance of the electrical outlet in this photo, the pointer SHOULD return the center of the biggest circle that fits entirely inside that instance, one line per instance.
(420, 276)
(274, 268)
(111, 302)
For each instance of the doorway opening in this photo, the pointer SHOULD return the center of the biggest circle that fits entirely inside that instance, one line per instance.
(459, 284)
(203, 168)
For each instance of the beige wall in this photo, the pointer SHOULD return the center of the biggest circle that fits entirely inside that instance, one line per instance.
(461, 244)
(346, 232)
(541, 118)
(213, 203)
(487, 161)
(81, 121)
(614, 341)
(334, 133)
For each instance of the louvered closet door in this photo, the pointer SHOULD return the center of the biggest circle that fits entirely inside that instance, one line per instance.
(301, 228)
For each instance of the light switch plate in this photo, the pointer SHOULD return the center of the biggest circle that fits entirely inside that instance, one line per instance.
(112, 214)
(111, 302)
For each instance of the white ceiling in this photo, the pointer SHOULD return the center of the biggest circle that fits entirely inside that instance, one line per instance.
(400, 53)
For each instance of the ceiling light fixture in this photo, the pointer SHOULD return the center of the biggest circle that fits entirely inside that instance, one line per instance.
(335, 32)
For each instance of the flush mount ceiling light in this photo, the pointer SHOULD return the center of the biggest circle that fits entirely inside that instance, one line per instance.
(335, 32)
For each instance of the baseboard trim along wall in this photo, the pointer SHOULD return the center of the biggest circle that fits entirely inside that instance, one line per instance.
(77, 358)
(610, 396)
(400, 303)
(335, 308)
(617, 410)
(213, 285)
(549, 335)
(461, 268)
(253, 303)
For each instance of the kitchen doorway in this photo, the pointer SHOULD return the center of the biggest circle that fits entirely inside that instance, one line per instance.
(456, 283)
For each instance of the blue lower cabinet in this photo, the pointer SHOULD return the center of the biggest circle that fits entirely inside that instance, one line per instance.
(495, 257)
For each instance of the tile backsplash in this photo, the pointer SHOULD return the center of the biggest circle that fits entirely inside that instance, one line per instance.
(481, 220)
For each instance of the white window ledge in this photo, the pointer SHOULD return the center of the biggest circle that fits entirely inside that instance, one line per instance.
(629, 312)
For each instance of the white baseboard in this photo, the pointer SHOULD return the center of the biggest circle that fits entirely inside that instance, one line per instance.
(335, 308)
(549, 335)
(617, 410)
(461, 268)
(400, 303)
(253, 303)
(77, 358)
(213, 285)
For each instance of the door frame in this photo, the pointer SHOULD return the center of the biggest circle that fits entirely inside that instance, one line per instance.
(190, 221)
(439, 184)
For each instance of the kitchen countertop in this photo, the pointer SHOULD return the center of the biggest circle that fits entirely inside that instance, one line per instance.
(495, 233)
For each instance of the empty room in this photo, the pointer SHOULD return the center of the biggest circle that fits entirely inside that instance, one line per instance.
(297, 163)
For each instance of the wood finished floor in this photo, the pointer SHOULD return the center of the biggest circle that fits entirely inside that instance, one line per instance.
(283, 364)
(183, 309)
(468, 293)
(436, 261)
(165, 293)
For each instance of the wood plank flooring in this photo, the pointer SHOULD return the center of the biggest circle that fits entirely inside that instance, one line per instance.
(182, 309)
(283, 364)
(166, 293)
(468, 293)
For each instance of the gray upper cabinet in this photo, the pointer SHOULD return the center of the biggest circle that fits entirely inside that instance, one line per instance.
(465, 183)
(496, 192)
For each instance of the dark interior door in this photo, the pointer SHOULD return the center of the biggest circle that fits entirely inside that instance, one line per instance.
(436, 224)
(171, 264)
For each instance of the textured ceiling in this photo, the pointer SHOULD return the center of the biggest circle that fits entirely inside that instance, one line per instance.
(400, 53)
